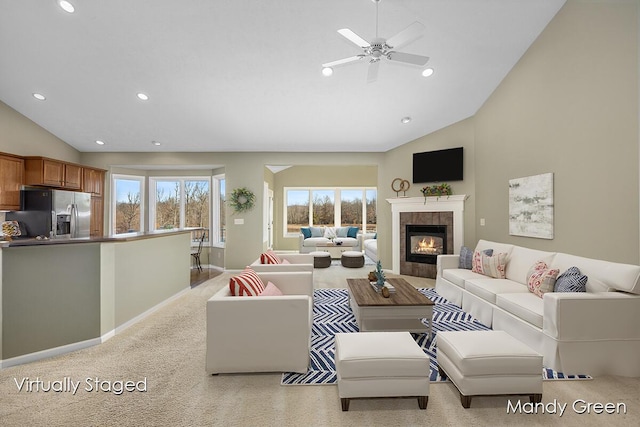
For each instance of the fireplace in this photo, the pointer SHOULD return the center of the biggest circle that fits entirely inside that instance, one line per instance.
(425, 242)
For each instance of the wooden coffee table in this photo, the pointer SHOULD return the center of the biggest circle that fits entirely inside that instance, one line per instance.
(402, 311)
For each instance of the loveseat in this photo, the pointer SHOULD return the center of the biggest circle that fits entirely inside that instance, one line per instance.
(593, 332)
(261, 333)
(370, 245)
(345, 237)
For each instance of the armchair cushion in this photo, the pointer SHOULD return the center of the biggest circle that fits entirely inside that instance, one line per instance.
(246, 283)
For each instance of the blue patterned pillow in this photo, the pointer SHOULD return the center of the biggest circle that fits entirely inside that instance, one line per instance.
(571, 281)
(466, 257)
(306, 232)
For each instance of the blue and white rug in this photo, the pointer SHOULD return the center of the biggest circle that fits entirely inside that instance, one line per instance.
(332, 314)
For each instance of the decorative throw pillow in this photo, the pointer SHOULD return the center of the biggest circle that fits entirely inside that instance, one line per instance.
(541, 279)
(492, 266)
(271, 290)
(246, 283)
(466, 257)
(285, 261)
(353, 232)
(306, 232)
(571, 281)
(317, 231)
(270, 257)
(330, 232)
(11, 228)
(342, 231)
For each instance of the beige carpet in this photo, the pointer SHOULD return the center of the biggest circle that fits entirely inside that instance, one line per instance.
(168, 349)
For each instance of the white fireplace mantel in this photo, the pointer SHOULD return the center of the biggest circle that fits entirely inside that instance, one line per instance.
(454, 203)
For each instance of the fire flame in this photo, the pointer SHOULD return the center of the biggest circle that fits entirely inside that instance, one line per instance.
(427, 246)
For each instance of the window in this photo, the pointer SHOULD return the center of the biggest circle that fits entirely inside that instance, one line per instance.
(329, 207)
(181, 202)
(127, 209)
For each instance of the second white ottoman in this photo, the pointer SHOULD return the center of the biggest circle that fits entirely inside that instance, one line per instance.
(489, 363)
(381, 364)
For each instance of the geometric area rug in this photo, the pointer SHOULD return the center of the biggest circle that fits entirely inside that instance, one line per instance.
(332, 314)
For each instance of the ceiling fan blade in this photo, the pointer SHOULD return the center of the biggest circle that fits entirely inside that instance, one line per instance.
(353, 37)
(406, 36)
(408, 58)
(343, 61)
(372, 74)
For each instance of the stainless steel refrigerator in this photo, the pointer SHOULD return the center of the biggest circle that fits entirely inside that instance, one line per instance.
(56, 213)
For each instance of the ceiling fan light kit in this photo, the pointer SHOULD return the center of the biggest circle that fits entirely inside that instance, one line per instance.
(380, 48)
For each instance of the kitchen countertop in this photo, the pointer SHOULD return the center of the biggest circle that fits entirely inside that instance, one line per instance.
(128, 237)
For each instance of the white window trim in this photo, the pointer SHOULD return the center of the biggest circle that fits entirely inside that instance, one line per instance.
(114, 201)
(336, 206)
(214, 234)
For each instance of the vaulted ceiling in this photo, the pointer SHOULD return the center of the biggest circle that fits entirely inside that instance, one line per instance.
(245, 75)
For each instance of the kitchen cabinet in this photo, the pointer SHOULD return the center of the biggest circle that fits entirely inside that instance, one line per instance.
(52, 173)
(93, 181)
(11, 179)
(97, 217)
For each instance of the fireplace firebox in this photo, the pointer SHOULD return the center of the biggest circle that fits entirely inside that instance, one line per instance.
(425, 242)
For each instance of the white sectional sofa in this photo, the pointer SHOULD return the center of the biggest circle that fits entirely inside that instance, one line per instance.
(594, 332)
(308, 243)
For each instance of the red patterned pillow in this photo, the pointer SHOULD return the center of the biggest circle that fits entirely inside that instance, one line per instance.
(541, 278)
(246, 284)
(270, 257)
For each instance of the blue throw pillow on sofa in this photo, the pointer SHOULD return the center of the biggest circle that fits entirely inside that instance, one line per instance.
(353, 232)
(571, 281)
(306, 232)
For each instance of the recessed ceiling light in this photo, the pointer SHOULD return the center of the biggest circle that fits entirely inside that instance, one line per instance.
(156, 143)
(39, 96)
(66, 6)
(143, 96)
(405, 120)
(427, 72)
(99, 142)
(327, 71)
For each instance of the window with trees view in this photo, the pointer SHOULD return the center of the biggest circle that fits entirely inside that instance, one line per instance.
(329, 207)
(127, 216)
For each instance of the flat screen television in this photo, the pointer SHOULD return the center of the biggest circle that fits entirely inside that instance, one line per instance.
(438, 166)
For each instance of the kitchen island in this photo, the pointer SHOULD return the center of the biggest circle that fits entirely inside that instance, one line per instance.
(62, 295)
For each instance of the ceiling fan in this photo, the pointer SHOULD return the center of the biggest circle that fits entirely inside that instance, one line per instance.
(380, 48)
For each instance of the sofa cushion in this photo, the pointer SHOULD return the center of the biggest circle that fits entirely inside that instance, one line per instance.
(271, 290)
(313, 241)
(346, 241)
(466, 257)
(541, 278)
(492, 266)
(487, 289)
(317, 231)
(246, 283)
(306, 232)
(520, 261)
(571, 281)
(270, 257)
(353, 232)
(458, 276)
(525, 306)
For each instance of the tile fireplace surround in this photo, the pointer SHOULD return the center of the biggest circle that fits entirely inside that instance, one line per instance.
(453, 204)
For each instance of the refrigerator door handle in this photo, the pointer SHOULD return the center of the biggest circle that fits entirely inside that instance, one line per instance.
(54, 219)
(74, 219)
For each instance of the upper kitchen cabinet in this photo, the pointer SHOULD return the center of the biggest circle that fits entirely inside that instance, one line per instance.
(11, 177)
(93, 181)
(52, 173)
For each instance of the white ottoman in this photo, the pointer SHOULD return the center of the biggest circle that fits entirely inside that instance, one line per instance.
(381, 364)
(489, 363)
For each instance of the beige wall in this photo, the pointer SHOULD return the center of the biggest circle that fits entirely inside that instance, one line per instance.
(315, 176)
(570, 106)
(21, 136)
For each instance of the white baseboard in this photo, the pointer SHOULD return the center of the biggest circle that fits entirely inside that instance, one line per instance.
(57, 351)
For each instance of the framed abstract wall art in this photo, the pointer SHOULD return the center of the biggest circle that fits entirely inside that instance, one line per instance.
(531, 206)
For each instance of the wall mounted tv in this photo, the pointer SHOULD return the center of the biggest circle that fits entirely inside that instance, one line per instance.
(438, 166)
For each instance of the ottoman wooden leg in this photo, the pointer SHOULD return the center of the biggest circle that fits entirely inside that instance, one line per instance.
(465, 400)
(345, 403)
(423, 401)
(535, 398)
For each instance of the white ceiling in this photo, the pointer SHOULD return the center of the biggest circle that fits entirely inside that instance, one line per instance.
(245, 75)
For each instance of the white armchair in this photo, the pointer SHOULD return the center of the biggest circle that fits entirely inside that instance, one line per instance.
(297, 262)
(262, 333)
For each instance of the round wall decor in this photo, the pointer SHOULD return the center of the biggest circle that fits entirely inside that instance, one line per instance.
(242, 199)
